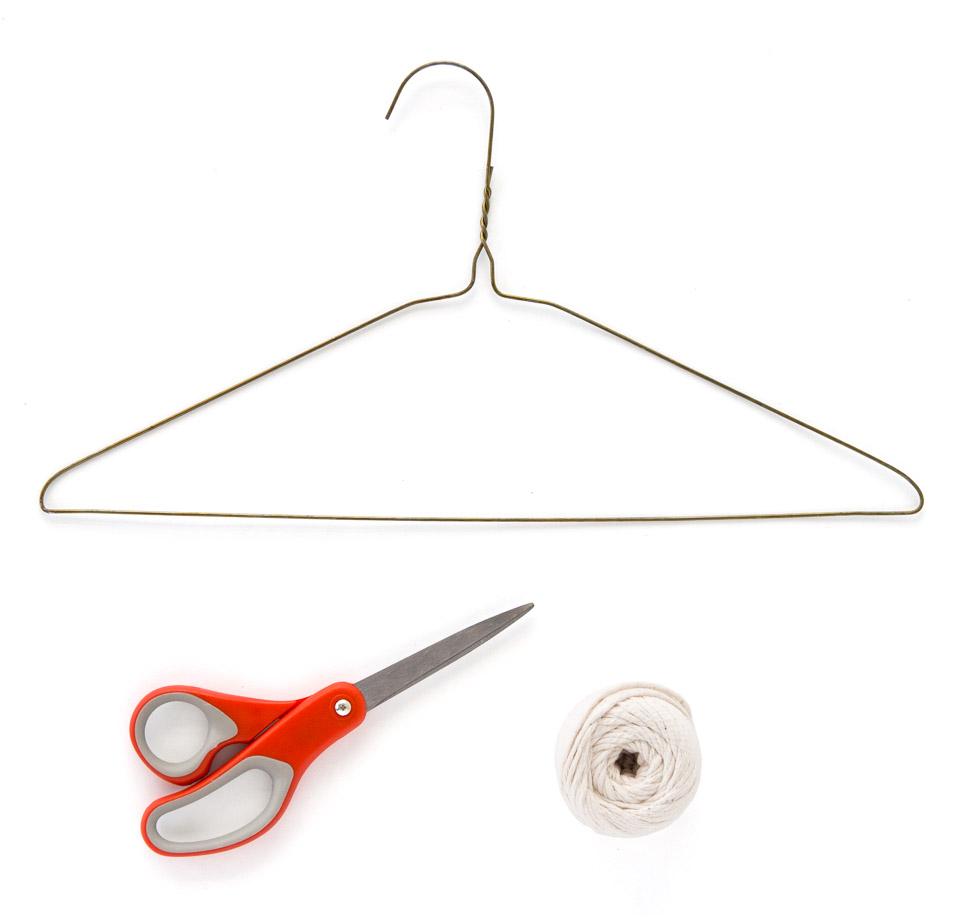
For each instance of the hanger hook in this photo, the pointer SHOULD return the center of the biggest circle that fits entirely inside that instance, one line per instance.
(450, 63)
(487, 190)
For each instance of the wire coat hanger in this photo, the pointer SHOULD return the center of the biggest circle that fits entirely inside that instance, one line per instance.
(482, 248)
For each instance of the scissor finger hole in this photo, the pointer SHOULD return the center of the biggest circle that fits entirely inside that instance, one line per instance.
(231, 807)
(176, 731)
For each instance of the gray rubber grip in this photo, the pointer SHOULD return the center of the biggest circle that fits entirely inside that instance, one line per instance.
(220, 727)
(281, 775)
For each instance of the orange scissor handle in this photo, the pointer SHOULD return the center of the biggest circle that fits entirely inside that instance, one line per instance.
(283, 752)
(230, 720)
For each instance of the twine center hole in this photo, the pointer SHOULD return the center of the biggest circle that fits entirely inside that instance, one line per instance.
(628, 763)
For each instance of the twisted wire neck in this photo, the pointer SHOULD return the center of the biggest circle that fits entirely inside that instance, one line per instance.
(485, 209)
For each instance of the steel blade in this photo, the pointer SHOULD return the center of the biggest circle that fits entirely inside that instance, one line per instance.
(403, 674)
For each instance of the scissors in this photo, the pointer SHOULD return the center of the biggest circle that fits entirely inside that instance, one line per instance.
(282, 737)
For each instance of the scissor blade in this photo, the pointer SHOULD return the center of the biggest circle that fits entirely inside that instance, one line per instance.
(398, 677)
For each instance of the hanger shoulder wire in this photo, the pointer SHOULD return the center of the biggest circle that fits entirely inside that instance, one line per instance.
(482, 248)
(746, 397)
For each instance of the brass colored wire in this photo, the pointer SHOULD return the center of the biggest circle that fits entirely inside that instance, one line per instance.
(483, 248)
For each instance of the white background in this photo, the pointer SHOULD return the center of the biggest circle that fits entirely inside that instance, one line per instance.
(768, 192)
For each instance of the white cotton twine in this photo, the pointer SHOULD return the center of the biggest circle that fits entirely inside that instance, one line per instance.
(604, 784)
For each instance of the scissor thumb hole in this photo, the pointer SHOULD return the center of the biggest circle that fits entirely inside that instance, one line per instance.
(231, 809)
(175, 732)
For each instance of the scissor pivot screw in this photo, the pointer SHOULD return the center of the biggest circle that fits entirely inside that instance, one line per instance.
(342, 707)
